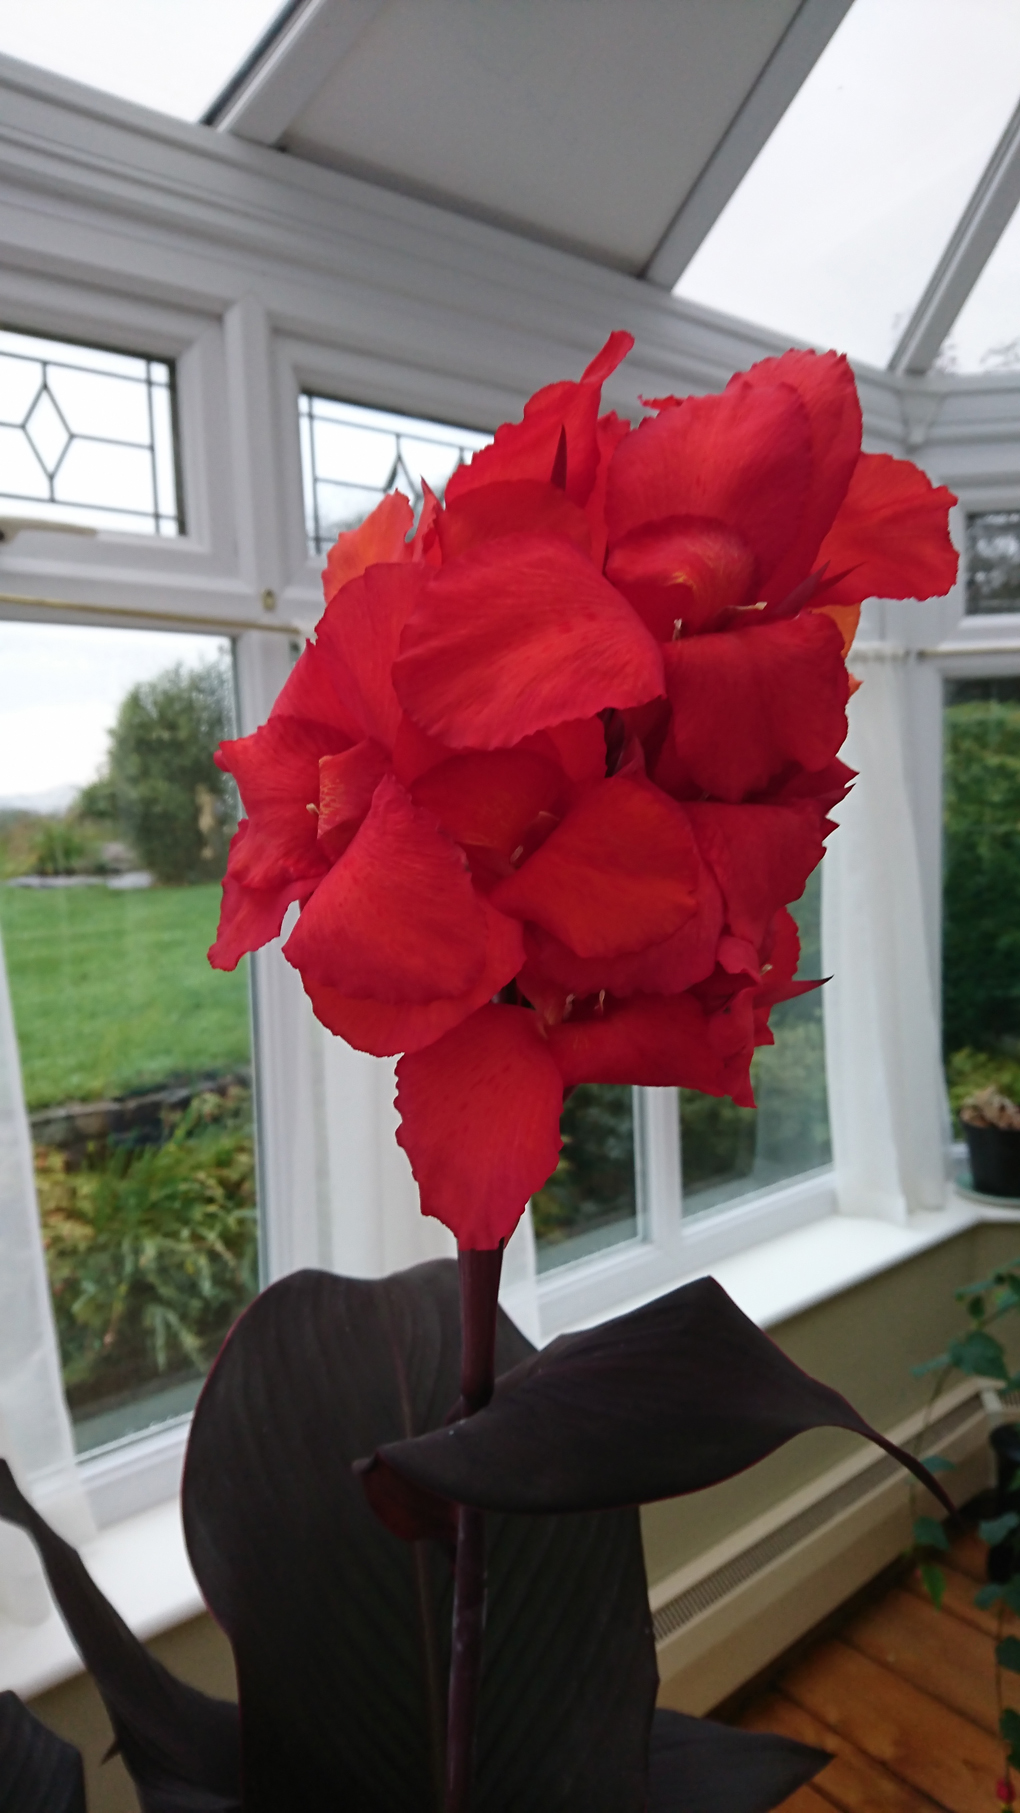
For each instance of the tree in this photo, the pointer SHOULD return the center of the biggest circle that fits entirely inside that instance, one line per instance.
(981, 924)
(167, 794)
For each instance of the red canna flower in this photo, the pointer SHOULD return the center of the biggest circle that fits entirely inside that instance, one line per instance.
(554, 767)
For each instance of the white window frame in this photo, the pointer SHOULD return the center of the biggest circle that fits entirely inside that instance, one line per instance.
(260, 276)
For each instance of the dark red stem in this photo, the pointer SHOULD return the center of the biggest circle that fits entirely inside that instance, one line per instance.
(479, 1289)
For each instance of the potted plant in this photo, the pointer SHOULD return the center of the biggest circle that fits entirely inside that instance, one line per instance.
(979, 1353)
(543, 787)
(991, 1125)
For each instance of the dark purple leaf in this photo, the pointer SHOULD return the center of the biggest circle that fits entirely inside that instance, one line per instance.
(697, 1766)
(39, 1772)
(341, 1631)
(180, 1746)
(671, 1398)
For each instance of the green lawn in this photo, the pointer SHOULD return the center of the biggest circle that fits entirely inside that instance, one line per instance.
(112, 991)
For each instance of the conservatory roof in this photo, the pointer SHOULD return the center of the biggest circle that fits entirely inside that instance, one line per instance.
(843, 173)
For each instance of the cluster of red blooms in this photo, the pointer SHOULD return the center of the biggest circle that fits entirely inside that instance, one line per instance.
(554, 766)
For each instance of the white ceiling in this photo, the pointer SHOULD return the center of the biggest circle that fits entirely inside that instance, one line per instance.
(619, 130)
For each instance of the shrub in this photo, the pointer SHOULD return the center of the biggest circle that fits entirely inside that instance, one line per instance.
(151, 1252)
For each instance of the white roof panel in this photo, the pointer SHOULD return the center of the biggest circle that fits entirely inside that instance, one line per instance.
(588, 123)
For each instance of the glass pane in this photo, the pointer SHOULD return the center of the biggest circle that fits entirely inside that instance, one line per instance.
(993, 561)
(591, 1200)
(87, 436)
(175, 56)
(837, 227)
(727, 1151)
(136, 1056)
(986, 333)
(352, 456)
(981, 887)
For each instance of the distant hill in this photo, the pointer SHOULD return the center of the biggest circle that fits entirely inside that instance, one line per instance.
(51, 799)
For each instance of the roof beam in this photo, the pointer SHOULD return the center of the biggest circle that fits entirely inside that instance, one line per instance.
(976, 236)
(792, 61)
(304, 43)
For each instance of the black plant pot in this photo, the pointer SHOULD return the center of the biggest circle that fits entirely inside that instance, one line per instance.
(994, 1159)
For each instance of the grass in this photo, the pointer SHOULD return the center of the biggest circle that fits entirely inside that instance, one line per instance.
(112, 991)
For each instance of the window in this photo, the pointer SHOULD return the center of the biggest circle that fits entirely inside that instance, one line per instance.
(351, 457)
(727, 1151)
(596, 1198)
(981, 886)
(591, 1200)
(136, 1055)
(993, 561)
(87, 436)
(837, 226)
(984, 336)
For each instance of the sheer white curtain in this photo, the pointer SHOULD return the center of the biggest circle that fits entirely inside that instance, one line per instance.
(887, 1098)
(375, 1222)
(35, 1428)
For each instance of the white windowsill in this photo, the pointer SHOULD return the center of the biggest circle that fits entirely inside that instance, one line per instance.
(142, 1567)
(782, 1277)
(141, 1563)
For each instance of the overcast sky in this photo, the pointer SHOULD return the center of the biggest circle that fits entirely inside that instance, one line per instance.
(838, 225)
(60, 687)
(172, 54)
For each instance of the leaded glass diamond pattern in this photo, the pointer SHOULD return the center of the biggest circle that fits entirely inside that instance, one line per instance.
(87, 436)
(352, 456)
(993, 561)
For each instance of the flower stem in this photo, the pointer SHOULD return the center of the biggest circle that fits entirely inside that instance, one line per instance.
(479, 1287)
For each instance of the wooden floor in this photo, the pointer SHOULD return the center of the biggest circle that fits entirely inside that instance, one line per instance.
(904, 1697)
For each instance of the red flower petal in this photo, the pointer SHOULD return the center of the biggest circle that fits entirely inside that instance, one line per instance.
(846, 617)
(309, 693)
(666, 968)
(825, 385)
(517, 635)
(480, 1122)
(826, 786)
(425, 541)
(347, 783)
(892, 533)
(382, 537)
(780, 966)
(620, 872)
(579, 748)
(414, 753)
(397, 918)
(250, 917)
(510, 507)
(359, 636)
(749, 702)
(742, 459)
(761, 857)
(384, 1029)
(487, 799)
(277, 773)
(655, 1041)
(605, 361)
(529, 449)
(610, 430)
(685, 570)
